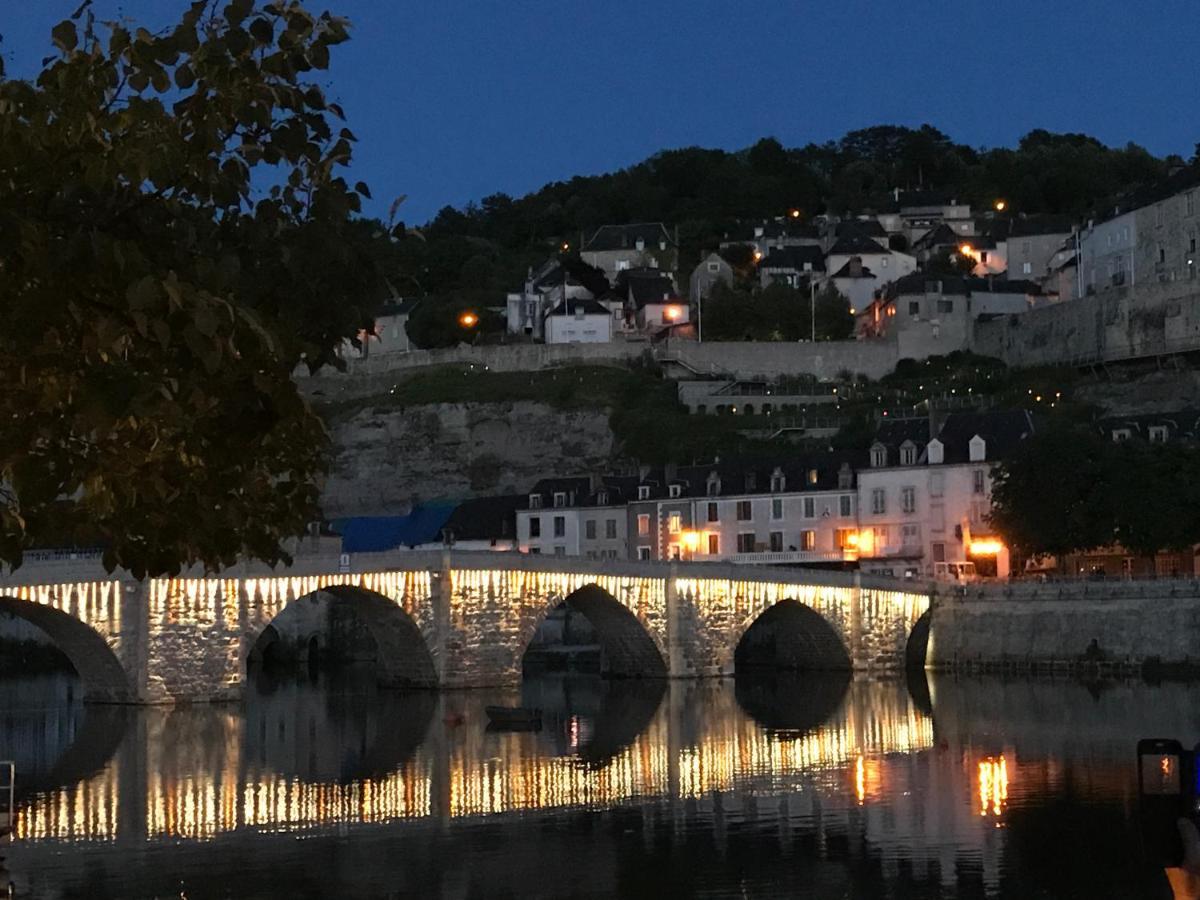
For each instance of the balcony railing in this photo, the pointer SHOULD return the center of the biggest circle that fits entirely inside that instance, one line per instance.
(782, 557)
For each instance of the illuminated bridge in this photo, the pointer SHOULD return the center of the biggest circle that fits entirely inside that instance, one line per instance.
(447, 619)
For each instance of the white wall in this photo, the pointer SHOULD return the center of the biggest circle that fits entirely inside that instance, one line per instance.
(824, 522)
(547, 542)
(572, 329)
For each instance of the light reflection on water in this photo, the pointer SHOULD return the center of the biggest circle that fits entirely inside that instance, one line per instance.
(755, 788)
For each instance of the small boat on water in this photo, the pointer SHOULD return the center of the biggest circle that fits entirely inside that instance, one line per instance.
(514, 718)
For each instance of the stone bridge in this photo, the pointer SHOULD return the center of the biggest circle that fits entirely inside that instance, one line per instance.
(457, 620)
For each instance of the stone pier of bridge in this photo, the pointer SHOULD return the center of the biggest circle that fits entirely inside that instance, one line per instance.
(453, 620)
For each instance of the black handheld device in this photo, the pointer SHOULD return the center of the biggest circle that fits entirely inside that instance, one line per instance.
(1166, 793)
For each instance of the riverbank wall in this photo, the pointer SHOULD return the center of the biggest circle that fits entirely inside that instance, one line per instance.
(1092, 629)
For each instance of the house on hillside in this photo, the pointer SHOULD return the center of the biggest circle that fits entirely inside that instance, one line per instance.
(1168, 229)
(930, 316)
(389, 334)
(711, 270)
(1034, 243)
(545, 289)
(773, 234)
(650, 300)
(886, 265)
(617, 248)
(856, 283)
(578, 321)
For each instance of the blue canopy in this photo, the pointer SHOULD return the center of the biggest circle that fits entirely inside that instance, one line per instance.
(371, 534)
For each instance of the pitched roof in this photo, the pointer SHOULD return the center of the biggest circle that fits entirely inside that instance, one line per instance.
(894, 432)
(625, 237)
(573, 306)
(645, 290)
(857, 245)
(941, 236)
(869, 228)
(485, 518)
(846, 270)
(794, 258)
(1001, 430)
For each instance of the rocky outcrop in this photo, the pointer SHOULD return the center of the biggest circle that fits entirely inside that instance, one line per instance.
(385, 457)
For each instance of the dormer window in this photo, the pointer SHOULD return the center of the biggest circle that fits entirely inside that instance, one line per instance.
(714, 486)
(878, 456)
(751, 481)
(977, 449)
(812, 476)
(778, 482)
(560, 499)
(675, 490)
(908, 454)
(935, 452)
(535, 501)
(1158, 434)
(602, 498)
(643, 492)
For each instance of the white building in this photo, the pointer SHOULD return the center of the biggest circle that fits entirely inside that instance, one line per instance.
(925, 501)
(578, 321)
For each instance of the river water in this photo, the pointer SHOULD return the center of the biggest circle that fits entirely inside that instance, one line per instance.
(801, 787)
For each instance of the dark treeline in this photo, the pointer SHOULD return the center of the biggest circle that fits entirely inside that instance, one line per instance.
(1069, 489)
(484, 249)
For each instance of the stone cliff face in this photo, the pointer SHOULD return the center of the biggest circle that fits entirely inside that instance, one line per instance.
(385, 457)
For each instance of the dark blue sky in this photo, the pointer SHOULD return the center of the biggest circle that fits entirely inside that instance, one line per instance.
(456, 99)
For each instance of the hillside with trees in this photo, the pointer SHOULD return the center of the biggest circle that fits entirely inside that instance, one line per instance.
(480, 251)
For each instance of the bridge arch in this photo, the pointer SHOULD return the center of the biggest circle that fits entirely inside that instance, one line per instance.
(627, 649)
(401, 654)
(790, 636)
(103, 676)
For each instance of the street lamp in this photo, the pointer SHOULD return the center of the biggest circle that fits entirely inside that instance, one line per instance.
(1000, 205)
(468, 319)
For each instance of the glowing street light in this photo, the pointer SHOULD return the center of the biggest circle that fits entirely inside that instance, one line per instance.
(966, 249)
(758, 256)
(795, 213)
(468, 319)
(565, 247)
(672, 313)
(1000, 206)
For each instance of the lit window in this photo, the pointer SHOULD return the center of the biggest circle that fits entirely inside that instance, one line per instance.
(714, 544)
(643, 522)
(675, 523)
(808, 540)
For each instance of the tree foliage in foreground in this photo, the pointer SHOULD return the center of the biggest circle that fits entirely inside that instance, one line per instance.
(1069, 489)
(174, 238)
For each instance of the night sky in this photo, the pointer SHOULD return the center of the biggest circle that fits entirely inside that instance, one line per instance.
(456, 99)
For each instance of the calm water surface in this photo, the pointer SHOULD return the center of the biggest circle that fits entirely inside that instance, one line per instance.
(779, 788)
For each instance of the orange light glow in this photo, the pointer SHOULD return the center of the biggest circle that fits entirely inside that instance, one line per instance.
(565, 247)
(966, 249)
(993, 786)
(986, 547)
(852, 540)
(690, 540)
(1001, 206)
(468, 320)
(671, 313)
(758, 255)
(795, 214)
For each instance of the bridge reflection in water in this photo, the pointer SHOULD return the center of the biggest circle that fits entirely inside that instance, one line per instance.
(295, 759)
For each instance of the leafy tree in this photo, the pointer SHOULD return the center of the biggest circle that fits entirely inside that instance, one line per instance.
(450, 320)
(175, 238)
(834, 319)
(1046, 499)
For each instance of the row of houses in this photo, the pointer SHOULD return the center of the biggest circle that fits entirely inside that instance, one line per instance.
(915, 504)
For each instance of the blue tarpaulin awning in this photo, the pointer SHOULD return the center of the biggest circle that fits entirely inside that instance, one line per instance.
(372, 534)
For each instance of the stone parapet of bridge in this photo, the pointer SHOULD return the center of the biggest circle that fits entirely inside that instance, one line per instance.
(454, 619)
